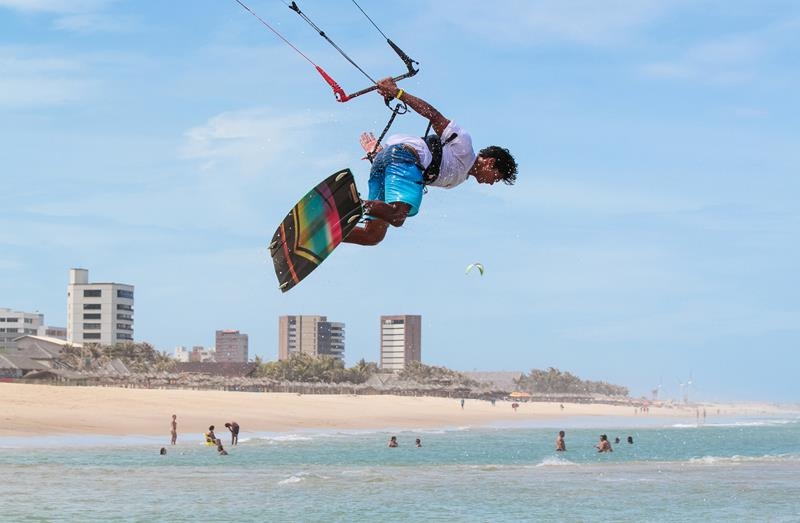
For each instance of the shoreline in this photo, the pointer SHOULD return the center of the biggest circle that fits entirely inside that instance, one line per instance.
(37, 411)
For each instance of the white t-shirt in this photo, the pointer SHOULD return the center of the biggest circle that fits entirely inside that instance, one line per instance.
(457, 155)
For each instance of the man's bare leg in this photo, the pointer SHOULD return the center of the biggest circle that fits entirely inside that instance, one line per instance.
(371, 233)
(383, 214)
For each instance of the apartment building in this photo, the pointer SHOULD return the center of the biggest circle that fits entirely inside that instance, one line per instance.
(231, 346)
(98, 312)
(401, 341)
(312, 335)
(197, 354)
(14, 324)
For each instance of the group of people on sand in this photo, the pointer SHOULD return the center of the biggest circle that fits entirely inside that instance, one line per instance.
(393, 442)
(602, 446)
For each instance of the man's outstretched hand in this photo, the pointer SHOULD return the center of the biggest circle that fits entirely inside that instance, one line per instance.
(368, 143)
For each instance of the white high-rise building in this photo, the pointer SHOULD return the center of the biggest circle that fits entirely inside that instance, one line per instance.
(14, 324)
(401, 341)
(98, 312)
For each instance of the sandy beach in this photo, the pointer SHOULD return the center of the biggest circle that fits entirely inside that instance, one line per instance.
(42, 410)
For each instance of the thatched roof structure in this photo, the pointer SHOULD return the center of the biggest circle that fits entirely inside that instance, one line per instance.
(220, 369)
(16, 366)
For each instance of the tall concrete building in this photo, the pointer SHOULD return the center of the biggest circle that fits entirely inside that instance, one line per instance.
(231, 346)
(401, 341)
(14, 324)
(98, 312)
(312, 335)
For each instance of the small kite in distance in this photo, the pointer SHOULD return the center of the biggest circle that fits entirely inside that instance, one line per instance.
(471, 266)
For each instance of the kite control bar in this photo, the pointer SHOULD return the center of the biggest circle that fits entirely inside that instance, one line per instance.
(338, 91)
(343, 97)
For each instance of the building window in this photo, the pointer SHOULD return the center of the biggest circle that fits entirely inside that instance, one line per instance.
(125, 317)
(92, 293)
(125, 294)
(91, 326)
(92, 316)
(91, 306)
(124, 336)
(91, 336)
(122, 307)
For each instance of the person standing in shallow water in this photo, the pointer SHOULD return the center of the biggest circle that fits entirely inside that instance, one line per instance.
(561, 446)
(234, 428)
(604, 445)
(392, 441)
(173, 430)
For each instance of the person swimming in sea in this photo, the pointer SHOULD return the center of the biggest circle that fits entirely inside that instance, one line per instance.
(603, 445)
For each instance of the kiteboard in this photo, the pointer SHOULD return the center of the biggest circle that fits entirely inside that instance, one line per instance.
(314, 228)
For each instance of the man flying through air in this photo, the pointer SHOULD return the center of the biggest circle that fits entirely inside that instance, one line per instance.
(396, 179)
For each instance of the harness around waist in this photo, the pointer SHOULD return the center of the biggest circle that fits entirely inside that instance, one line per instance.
(435, 146)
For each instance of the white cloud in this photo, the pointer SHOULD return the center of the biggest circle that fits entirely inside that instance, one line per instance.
(56, 6)
(250, 137)
(30, 78)
(727, 60)
(83, 16)
(567, 195)
(94, 23)
(693, 321)
(531, 22)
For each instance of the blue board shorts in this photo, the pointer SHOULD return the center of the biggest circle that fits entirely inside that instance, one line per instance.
(396, 177)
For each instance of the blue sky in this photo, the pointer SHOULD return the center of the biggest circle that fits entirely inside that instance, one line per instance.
(652, 233)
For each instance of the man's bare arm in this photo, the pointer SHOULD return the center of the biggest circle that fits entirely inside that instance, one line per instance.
(388, 88)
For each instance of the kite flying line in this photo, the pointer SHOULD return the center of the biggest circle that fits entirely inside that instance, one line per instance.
(340, 94)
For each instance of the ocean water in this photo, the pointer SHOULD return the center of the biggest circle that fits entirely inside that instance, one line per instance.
(733, 470)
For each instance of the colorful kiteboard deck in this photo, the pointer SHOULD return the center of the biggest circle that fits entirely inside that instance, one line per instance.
(314, 227)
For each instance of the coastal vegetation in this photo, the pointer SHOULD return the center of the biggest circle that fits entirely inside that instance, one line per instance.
(137, 357)
(554, 381)
(142, 359)
(310, 369)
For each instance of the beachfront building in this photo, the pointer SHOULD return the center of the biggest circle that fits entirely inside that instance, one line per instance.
(42, 349)
(231, 347)
(401, 341)
(14, 324)
(312, 335)
(197, 354)
(49, 331)
(98, 312)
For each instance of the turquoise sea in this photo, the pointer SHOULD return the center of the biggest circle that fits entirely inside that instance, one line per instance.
(726, 470)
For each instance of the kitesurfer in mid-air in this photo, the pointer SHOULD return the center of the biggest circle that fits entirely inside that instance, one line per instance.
(398, 175)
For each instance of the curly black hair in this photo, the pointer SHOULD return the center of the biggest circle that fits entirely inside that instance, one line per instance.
(503, 162)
